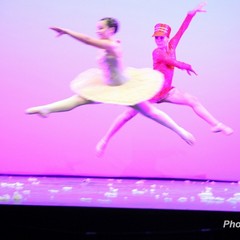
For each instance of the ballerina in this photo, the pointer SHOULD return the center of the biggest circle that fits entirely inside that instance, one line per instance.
(164, 61)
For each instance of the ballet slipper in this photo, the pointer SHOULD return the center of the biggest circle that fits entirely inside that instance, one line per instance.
(43, 112)
(220, 127)
(100, 148)
(188, 137)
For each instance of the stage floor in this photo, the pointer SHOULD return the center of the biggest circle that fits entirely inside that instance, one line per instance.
(118, 208)
(120, 193)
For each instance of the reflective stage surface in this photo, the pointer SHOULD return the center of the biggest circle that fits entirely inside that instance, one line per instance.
(90, 206)
(120, 193)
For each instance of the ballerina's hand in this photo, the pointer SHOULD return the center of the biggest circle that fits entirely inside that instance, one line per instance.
(199, 8)
(189, 71)
(60, 31)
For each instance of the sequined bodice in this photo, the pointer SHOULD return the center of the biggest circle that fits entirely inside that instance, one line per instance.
(112, 69)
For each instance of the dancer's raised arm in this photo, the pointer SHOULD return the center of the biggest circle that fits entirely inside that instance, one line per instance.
(176, 38)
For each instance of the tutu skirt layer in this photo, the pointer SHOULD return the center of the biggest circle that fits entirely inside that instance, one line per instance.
(141, 85)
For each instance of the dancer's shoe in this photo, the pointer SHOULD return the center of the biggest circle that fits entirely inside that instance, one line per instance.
(100, 148)
(220, 127)
(43, 112)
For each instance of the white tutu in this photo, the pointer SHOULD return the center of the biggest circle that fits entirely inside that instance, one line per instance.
(142, 85)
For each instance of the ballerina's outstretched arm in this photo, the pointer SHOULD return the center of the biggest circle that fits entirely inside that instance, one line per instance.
(95, 42)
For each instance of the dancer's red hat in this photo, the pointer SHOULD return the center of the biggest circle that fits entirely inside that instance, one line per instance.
(161, 29)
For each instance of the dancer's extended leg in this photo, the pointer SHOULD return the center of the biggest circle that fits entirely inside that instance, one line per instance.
(59, 106)
(178, 97)
(117, 124)
(148, 110)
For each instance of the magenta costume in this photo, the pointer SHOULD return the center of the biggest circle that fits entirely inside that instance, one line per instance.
(161, 29)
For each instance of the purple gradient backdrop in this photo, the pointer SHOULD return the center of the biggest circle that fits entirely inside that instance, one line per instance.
(36, 68)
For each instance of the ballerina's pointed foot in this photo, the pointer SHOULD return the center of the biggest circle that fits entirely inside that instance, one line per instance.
(188, 137)
(220, 127)
(43, 112)
(100, 148)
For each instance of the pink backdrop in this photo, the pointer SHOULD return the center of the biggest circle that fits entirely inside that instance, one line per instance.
(36, 68)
